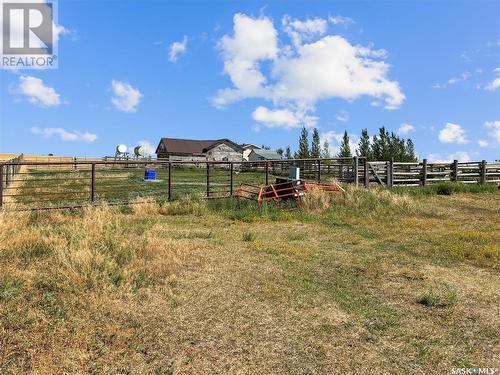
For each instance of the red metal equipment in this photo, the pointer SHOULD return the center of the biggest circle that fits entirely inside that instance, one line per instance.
(293, 189)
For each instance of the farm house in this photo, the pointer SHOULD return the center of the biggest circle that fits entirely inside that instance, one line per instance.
(199, 150)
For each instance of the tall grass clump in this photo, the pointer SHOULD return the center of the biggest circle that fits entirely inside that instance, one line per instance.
(443, 296)
(186, 205)
(446, 188)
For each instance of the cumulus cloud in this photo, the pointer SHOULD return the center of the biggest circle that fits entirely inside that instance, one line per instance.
(406, 129)
(64, 135)
(314, 67)
(126, 98)
(452, 133)
(334, 140)
(461, 156)
(342, 116)
(282, 118)
(253, 41)
(176, 49)
(495, 84)
(37, 92)
(494, 127)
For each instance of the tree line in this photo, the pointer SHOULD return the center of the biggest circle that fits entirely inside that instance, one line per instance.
(383, 146)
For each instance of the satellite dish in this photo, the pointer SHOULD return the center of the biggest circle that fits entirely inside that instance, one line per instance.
(121, 149)
(138, 151)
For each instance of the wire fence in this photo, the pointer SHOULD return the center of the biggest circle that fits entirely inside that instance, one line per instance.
(32, 185)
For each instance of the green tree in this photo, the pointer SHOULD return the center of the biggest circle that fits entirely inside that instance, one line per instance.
(316, 145)
(410, 151)
(325, 153)
(364, 146)
(288, 153)
(279, 151)
(303, 152)
(345, 150)
(381, 145)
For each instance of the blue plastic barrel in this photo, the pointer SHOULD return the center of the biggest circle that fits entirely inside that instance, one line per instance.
(150, 174)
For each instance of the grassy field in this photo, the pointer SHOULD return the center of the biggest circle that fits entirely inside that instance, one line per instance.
(373, 282)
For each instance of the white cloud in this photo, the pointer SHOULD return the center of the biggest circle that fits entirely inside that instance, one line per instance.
(461, 156)
(254, 40)
(342, 116)
(453, 80)
(495, 84)
(37, 92)
(452, 133)
(333, 68)
(303, 30)
(176, 49)
(282, 118)
(326, 67)
(482, 143)
(406, 129)
(340, 20)
(462, 77)
(64, 135)
(494, 126)
(126, 98)
(335, 140)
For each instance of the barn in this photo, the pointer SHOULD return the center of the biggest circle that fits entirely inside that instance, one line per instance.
(199, 150)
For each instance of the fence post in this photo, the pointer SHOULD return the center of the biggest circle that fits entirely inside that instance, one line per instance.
(483, 172)
(231, 180)
(366, 175)
(92, 184)
(390, 173)
(424, 172)
(355, 170)
(319, 170)
(455, 170)
(267, 173)
(169, 181)
(1, 185)
(208, 180)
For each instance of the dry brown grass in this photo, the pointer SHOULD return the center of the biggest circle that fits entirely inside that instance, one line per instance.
(180, 288)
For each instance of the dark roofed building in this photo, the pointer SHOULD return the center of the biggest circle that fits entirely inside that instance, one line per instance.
(259, 154)
(199, 150)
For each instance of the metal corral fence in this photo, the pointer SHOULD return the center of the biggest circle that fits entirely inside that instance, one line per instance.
(31, 185)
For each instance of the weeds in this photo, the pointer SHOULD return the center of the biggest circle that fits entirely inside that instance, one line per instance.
(10, 287)
(438, 297)
(249, 236)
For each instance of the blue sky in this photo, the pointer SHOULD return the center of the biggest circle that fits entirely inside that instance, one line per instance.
(256, 72)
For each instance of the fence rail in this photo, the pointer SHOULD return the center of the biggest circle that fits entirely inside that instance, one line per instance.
(31, 185)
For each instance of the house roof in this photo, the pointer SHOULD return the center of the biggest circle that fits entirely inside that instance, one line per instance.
(249, 146)
(267, 154)
(192, 146)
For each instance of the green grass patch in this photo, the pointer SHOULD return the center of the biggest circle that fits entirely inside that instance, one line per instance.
(10, 287)
(443, 296)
